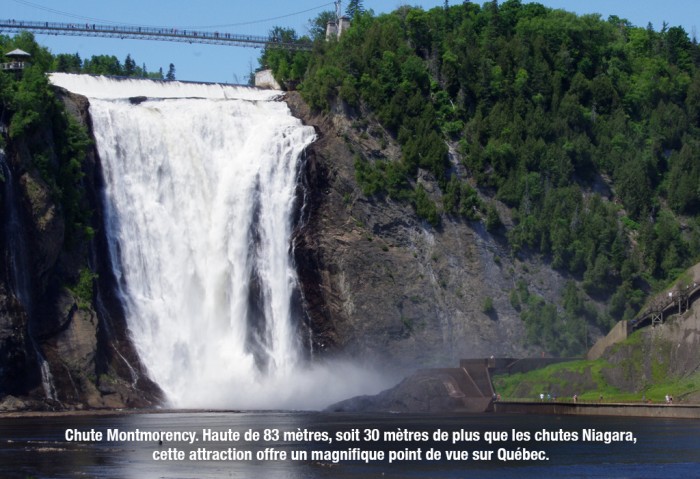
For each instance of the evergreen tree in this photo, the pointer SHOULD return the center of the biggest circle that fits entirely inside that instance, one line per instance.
(103, 65)
(64, 62)
(354, 7)
(171, 73)
(129, 66)
(317, 26)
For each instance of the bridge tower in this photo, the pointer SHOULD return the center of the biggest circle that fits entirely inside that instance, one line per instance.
(336, 27)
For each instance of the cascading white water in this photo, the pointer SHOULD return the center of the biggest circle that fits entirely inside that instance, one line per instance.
(199, 196)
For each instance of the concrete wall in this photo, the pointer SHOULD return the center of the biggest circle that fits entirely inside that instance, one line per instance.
(265, 79)
(335, 30)
(688, 411)
(616, 335)
(331, 31)
(343, 26)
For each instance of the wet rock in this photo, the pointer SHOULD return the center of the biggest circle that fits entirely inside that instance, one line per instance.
(12, 403)
(421, 392)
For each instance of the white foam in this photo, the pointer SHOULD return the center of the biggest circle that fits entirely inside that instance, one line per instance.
(96, 86)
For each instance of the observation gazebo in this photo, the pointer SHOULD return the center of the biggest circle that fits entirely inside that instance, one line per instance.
(19, 59)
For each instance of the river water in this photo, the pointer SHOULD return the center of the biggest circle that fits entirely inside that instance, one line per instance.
(37, 447)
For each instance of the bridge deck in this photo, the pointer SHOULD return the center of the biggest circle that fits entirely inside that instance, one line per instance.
(149, 33)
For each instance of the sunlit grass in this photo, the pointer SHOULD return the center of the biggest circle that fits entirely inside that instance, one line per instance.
(563, 377)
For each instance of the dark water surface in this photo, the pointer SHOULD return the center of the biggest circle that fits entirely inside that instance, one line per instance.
(37, 447)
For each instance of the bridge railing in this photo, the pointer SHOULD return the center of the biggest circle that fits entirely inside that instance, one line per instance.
(13, 65)
(678, 299)
(153, 33)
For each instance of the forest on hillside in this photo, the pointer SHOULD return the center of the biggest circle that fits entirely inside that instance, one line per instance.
(586, 129)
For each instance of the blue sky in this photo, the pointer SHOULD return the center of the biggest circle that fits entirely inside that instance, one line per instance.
(232, 64)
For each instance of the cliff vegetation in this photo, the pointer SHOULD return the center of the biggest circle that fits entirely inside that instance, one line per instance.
(571, 138)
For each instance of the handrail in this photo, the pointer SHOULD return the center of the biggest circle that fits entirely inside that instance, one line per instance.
(659, 308)
(13, 65)
(151, 33)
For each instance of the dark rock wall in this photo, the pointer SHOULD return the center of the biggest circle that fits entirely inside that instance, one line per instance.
(380, 283)
(18, 368)
(86, 346)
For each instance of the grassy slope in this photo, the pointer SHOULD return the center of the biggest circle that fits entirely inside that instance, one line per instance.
(586, 379)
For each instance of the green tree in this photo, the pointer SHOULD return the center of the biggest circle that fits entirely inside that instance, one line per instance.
(103, 65)
(288, 67)
(31, 102)
(67, 63)
(317, 25)
(493, 220)
(354, 8)
(425, 207)
(170, 76)
(684, 178)
(129, 66)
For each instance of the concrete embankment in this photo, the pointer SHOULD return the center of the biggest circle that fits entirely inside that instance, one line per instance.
(680, 411)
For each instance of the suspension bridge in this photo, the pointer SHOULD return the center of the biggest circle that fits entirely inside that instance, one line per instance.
(151, 33)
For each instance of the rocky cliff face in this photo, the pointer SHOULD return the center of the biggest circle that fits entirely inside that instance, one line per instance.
(59, 349)
(381, 283)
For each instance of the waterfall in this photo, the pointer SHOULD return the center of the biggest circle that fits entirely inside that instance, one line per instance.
(18, 268)
(199, 194)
